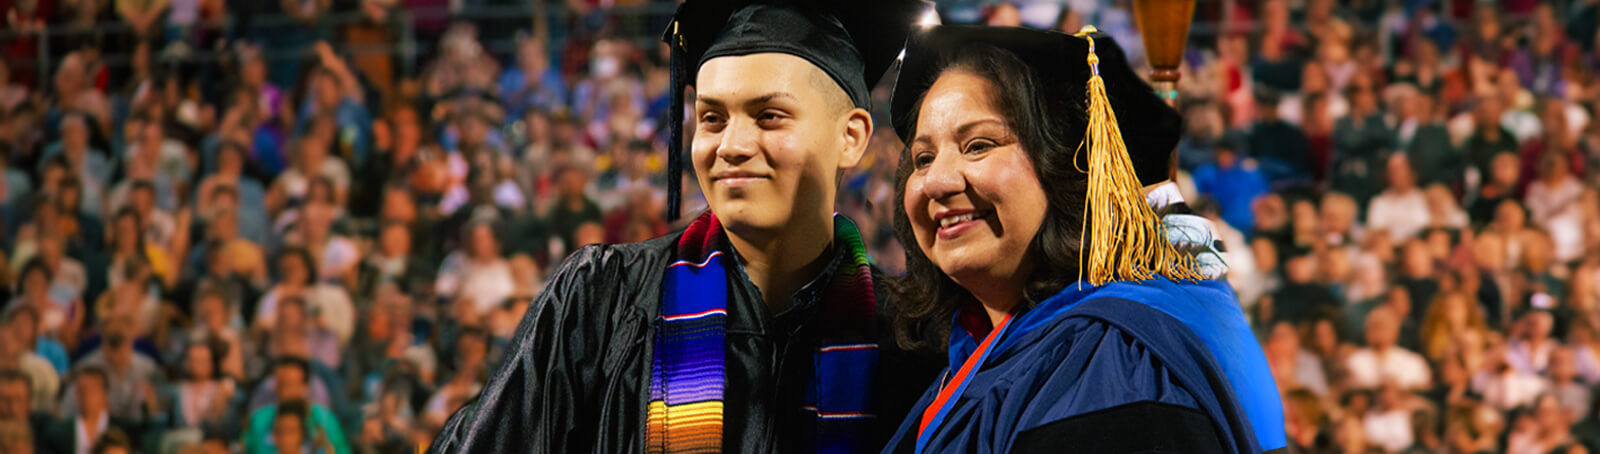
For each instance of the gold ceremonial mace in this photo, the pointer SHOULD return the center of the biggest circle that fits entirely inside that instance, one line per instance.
(1165, 26)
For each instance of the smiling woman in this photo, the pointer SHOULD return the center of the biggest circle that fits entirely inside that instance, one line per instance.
(1070, 319)
(986, 147)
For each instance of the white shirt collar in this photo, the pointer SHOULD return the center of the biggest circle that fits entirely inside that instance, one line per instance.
(85, 441)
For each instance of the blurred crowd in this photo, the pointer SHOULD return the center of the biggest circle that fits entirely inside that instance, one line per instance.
(297, 243)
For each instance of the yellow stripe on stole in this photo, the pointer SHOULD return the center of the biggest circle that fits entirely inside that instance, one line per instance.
(695, 427)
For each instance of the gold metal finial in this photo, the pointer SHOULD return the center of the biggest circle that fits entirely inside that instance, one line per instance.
(1087, 32)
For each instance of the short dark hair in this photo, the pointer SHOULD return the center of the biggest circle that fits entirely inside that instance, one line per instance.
(92, 371)
(33, 265)
(234, 146)
(141, 185)
(218, 349)
(294, 301)
(20, 310)
(296, 362)
(224, 189)
(1049, 128)
(16, 375)
(70, 181)
(127, 211)
(112, 438)
(474, 332)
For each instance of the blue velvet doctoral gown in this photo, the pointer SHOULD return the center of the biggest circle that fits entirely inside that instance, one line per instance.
(1151, 366)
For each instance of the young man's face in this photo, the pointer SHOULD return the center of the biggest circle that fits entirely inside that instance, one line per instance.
(768, 149)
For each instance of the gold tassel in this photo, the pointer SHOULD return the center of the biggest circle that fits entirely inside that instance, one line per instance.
(1125, 241)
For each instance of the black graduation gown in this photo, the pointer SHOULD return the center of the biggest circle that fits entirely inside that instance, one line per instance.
(576, 378)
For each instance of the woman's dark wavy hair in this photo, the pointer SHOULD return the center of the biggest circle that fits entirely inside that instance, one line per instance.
(1049, 126)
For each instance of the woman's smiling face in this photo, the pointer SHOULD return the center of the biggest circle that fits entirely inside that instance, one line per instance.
(973, 198)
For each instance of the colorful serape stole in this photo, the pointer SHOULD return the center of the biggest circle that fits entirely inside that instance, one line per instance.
(688, 374)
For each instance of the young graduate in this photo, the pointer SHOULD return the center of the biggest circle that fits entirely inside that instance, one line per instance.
(1073, 324)
(756, 329)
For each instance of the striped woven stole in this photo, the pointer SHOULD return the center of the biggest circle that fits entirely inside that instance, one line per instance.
(688, 370)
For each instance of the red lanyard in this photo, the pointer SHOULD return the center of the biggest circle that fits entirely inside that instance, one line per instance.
(936, 411)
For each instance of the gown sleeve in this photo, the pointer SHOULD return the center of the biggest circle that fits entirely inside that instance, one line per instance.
(533, 400)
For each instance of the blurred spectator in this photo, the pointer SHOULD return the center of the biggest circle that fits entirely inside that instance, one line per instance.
(311, 162)
(143, 15)
(1401, 209)
(1204, 127)
(336, 256)
(214, 328)
(531, 83)
(1294, 367)
(1233, 180)
(82, 425)
(130, 376)
(11, 94)
(1530, 351)
(1544, 427)
(23, 321)
(477, 280)
(57, 316)
(1360, 141)
(17, 413)
(337, 96)
(1301, 297)
(1573, 395)
(238, 258)
(202, 395)
(1425, 140)
(1381, 361)
(1488, 137)
(1444, 212)
(88, 164)
(391, 261)
(17, 185)
(1503, 386)
(263, 434)
(1447, 317)
(42, 378)
(1501, 185)
(470, 373)
(302, 324)
(1553, 203)
(327, 305)
(572, 207)
(228, 179)
(1388, 422)
(289, 429)
(1280, 147)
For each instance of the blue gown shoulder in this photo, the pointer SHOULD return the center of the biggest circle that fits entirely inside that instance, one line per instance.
(1101, 370)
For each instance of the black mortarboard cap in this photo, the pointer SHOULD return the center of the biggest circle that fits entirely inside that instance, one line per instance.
(853, 42)
(1150, 127)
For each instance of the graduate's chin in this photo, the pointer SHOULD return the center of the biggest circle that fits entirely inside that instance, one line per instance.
(739, 214)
